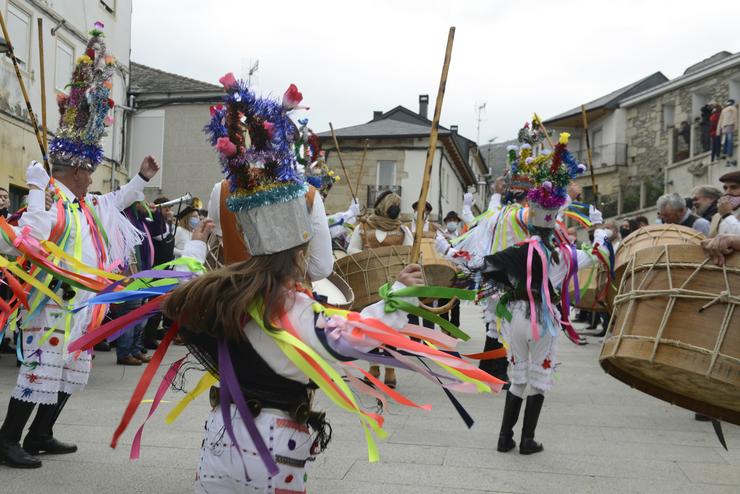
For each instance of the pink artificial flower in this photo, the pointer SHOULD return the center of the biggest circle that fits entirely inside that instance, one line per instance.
(269, 127)
(228, 80)
(99, 25)
(226, 147)
(292, 98)
(109, 121)
(216, 108)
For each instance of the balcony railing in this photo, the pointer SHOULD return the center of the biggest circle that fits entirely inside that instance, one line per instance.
(374, 190)
(614, 154)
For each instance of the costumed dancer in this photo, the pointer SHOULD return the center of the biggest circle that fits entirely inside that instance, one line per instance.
(90, 229)
(268, 340)
(529, 278)
(381, 228)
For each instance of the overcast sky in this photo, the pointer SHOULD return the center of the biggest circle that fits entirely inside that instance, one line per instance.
(349, 57)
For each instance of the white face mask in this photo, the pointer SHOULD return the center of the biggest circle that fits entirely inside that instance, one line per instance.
(452, 226)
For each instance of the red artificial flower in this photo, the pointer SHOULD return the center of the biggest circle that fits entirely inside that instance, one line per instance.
(547, 363)
(292, 97)
(216, 108)
(90, 53)
(269, 128)
(111, 103)
(228, 80)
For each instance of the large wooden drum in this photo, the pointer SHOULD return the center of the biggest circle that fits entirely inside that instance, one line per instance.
(648, 236)
(370, 269)
(675, 329)
(366, 271)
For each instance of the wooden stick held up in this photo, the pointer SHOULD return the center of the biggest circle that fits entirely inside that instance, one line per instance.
(27, 100)
(362, 166)
(42, 80)
(418, 235)
(341, 162)
(544, 131)
(590, 158)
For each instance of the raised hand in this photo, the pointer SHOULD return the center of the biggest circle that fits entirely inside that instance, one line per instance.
(149, 167)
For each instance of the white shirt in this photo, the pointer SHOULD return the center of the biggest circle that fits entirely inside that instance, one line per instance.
(320, 257)
(108, 208)
(731, 224)
(182, 237)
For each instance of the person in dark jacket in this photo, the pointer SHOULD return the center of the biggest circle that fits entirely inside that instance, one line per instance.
(704, 201)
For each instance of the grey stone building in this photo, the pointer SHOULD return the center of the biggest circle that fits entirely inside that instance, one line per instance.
(667, 134)
(169, 112)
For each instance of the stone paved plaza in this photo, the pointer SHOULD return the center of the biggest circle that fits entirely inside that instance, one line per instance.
(599, 435)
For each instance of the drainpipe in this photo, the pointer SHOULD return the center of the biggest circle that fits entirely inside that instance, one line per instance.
(439, 196)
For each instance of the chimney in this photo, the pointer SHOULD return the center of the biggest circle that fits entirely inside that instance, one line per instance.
(453, 129)
(423, 105)
(377, 115)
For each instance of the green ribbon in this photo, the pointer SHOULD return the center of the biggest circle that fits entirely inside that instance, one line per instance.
(393, 302)
(502, 308)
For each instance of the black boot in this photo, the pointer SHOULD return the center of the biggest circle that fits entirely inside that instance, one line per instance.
(511, 415)
(11, 452)
(528, 445)
(40, 437)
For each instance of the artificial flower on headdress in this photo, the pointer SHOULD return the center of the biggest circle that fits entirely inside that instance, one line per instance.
(84, 113)
(255, 141)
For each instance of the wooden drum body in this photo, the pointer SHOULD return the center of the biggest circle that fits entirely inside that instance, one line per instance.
(370, 269)
(589, 297)
(675, 329)
(337, 291)
(438, 271)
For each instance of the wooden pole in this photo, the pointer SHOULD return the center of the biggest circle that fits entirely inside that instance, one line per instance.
(362, 166)
(31, 115)
(42, 80)
(418, 235)
(590, 158)
(341, 162)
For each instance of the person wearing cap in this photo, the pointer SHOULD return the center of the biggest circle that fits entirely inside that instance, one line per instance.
(187, 220)
(727, 219)
(430, 228)
(452, 224)
(49, 375)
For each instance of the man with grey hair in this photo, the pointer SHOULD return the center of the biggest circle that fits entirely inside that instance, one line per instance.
(672, 209)
(704, 198)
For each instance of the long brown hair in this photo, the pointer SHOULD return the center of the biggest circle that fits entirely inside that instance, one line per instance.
(216, 303)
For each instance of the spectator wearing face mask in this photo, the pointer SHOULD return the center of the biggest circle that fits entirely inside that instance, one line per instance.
(452, 224)
(187, 220)
(4, 203)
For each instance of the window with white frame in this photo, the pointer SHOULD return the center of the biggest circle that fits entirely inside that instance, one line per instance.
(386, 173)
(19, 30)
(63, 65)
(669, 115)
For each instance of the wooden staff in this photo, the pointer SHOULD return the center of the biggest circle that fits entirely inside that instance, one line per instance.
(341, 162)
(362, 165)
(42, 77)
(590, 159)
(416, 248)
(31, 115)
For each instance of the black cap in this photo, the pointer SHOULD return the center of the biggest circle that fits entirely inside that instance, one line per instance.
(428, 207)
(732, 177)
(452, 215)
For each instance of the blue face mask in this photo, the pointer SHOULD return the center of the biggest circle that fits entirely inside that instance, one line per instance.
(193, 222)
(451, 226)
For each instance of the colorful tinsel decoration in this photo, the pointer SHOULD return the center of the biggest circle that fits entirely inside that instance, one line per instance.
(84, 112)
(255, 138)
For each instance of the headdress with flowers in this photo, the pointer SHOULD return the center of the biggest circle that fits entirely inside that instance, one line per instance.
(84, 112)
(311, 157)
(255, 139)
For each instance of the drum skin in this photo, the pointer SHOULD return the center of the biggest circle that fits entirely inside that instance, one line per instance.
(339, 284)
(675, 329)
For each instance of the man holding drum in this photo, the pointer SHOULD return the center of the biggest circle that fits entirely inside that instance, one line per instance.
(672, 209)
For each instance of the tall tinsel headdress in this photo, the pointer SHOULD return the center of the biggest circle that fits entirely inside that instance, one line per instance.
(84, 112)
(545, 177)
(255, 139)
(311, 157)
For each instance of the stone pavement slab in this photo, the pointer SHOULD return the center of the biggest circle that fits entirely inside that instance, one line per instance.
(600, 436)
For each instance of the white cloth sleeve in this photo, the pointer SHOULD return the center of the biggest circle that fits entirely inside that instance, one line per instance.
(36, 218)
(182, 237)
(408, 237)
(397, 320)
(214, 208)
(730, 225)
(495, 203)
(467, 215)
(702, 226)
(122, 198)
(320, 258)
(195, 249)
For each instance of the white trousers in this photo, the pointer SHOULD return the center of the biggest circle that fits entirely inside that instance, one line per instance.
(530, 362)
(47, 371)
(221, 471)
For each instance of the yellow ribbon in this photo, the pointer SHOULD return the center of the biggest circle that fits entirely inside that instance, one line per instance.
(205, 382)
